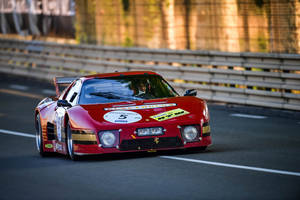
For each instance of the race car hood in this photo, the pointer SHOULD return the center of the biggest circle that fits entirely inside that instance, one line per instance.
(138, 113)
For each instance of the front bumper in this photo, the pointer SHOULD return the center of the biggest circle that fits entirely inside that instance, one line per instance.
(86, 145)
(136, 146)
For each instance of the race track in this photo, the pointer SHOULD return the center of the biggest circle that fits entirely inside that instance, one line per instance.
(253, 156)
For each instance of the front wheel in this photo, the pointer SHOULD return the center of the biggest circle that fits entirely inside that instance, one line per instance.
(196, 149)
(70, 145)
(203, 148)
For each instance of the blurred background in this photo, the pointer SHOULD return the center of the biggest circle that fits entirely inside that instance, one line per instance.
(242, 56)
(270, 26)
(233, 51)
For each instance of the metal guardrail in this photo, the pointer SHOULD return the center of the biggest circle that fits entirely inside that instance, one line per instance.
(269, 80)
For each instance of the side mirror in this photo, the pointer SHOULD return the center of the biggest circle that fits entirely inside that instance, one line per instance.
(63, 103)
(191, 92)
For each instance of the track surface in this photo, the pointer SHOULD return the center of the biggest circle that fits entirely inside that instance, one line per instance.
(269, 143)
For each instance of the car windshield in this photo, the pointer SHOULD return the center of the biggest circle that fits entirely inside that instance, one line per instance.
(125, 88)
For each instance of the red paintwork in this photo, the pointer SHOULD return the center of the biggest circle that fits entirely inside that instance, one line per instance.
(90, 117)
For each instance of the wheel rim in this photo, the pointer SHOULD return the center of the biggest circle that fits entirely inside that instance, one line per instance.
(38, 134)
(70, 142)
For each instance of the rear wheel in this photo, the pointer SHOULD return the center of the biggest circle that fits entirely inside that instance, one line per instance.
(39, 137)
(70, 145)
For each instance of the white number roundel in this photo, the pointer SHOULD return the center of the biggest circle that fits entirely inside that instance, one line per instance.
(122, 117)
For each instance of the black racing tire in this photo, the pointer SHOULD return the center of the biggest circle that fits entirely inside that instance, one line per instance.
(39, 137)
(69, 143)
(203, 148)
(196, 149)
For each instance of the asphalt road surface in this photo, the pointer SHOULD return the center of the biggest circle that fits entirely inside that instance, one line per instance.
(252, 157)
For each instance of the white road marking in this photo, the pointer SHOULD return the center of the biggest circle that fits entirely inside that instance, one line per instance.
(234, 166)
(18, 87)
(248, 116)
(46, 91)
(16, 133)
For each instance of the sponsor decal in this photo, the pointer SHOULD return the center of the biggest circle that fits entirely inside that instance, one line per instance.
(122, 117)
(58, 147)
(142, 107)
(48, 146)
(169, 114)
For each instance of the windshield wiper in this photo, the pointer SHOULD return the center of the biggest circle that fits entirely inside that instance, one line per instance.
(109, 95)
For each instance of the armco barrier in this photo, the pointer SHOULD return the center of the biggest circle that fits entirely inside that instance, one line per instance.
(269, 80)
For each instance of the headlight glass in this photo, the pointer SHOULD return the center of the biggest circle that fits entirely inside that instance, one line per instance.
(109, 138)
(190, 133)
(149, 131)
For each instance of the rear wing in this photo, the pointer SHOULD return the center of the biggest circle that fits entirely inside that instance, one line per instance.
(62, 82)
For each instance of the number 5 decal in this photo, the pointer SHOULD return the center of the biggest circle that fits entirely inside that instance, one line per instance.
(122, 116)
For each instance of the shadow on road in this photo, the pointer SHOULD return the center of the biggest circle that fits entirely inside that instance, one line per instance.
(55, 160)
(138, 155)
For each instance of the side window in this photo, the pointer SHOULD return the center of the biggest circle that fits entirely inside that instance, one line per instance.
(73, 94)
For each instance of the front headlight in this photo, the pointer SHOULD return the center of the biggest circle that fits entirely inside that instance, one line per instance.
(190, 133)
(109, 138)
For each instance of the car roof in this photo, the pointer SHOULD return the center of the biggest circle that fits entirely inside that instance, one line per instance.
(105, 75)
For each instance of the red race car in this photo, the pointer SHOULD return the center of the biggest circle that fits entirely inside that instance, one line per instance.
(119, 112)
